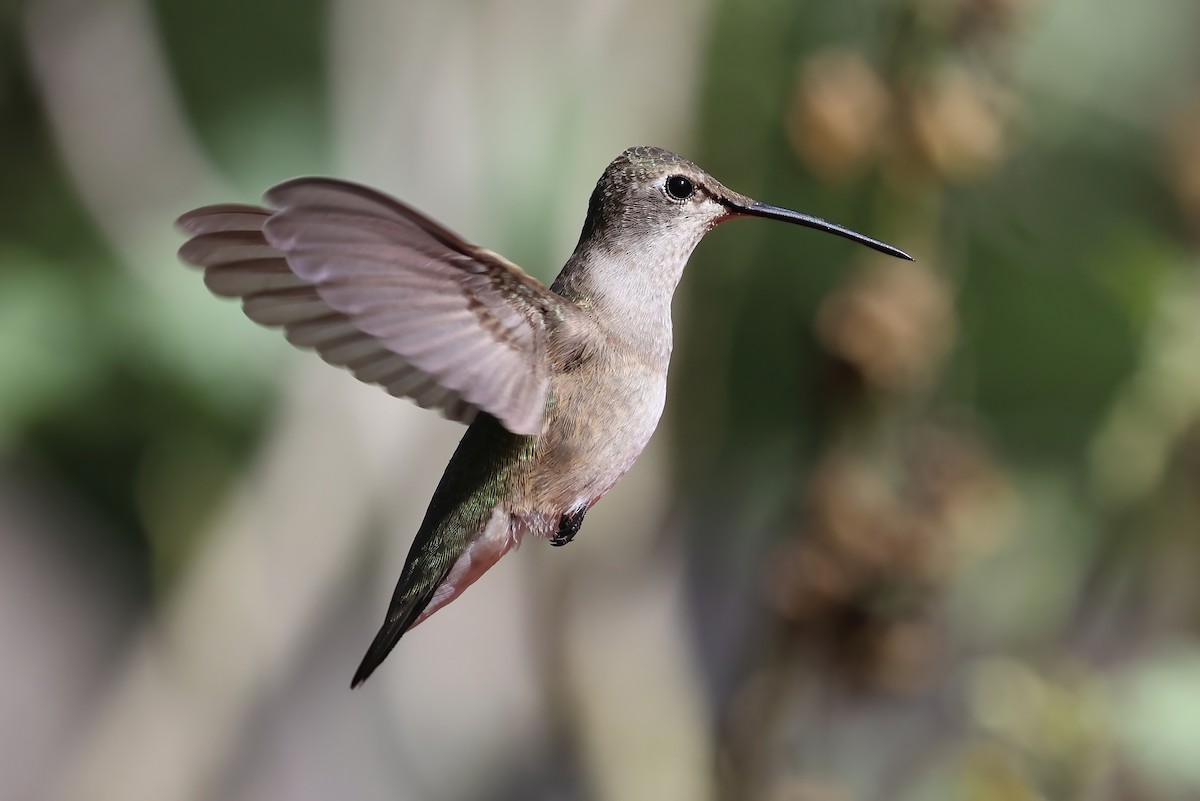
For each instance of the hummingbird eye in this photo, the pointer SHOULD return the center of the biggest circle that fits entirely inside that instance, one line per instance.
(679, 187)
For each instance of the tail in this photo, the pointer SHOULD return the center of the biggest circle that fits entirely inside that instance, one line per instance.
(402, 616)
(434, 576)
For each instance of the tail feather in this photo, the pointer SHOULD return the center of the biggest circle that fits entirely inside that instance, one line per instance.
(400, 619)
(423, 588)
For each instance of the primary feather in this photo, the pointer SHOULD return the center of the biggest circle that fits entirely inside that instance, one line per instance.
(379, 288)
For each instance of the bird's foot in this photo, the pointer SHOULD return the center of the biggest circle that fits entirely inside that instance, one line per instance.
(568, 527)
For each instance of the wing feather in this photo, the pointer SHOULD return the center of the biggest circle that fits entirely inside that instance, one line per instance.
(373, 285)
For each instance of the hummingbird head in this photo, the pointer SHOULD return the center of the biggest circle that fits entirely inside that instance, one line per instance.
(650, 198)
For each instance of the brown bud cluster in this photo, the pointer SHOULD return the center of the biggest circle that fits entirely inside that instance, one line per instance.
(838, 110)
(892, 322)
(875, 548)
(957, 120)
(935, 112)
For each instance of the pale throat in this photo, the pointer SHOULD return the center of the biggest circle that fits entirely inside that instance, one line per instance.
(629, 291)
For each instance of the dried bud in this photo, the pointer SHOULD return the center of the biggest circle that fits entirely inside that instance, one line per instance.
(957, 125)
(892, 323)
(837, 110)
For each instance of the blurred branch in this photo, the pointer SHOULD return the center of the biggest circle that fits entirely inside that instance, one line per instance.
(270, 567)
(1129, 475)
(116, 119)
(1162, 400)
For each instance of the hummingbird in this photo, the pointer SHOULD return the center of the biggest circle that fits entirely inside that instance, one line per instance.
(561, 386)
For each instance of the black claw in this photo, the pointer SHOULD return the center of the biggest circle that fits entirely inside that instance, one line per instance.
(568, 527)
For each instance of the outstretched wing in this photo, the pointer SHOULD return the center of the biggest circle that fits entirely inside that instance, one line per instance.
(375, 286)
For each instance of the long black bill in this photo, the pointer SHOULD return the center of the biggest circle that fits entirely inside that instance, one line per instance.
(755, 209)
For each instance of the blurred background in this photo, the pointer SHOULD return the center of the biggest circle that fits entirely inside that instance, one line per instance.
(907, 531)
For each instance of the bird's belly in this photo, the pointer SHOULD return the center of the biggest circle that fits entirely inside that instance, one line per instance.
(595, 434)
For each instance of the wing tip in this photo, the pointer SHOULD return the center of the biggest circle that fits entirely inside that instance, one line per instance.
(194, 221)
(187, 222)
(192, 253)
